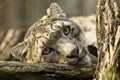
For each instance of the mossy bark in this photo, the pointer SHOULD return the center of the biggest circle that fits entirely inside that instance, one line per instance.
(108, 36)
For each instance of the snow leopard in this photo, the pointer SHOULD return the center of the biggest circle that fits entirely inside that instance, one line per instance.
(54, 39)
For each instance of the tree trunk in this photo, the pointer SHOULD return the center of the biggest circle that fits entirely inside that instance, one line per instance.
(108, 35)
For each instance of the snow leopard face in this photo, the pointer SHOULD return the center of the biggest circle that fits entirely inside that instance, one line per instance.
(54, 39)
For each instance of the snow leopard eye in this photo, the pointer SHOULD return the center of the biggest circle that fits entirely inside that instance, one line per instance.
(47, 50)
(66, 30)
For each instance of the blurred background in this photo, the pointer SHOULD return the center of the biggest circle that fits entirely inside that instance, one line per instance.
(23, 13)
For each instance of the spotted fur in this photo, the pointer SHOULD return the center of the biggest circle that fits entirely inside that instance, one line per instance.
(54, 39)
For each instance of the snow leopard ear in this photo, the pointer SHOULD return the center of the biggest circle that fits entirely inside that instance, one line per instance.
(54, 11)
(19, 52)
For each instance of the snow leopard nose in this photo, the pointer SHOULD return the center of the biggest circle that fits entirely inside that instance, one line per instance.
(74, 53)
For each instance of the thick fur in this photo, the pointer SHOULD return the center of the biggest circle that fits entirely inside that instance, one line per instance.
(54, 39)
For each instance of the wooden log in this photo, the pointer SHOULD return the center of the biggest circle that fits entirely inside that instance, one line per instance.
(10, 70)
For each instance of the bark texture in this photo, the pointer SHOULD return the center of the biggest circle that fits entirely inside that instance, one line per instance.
(108, 35)
(43, 71)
